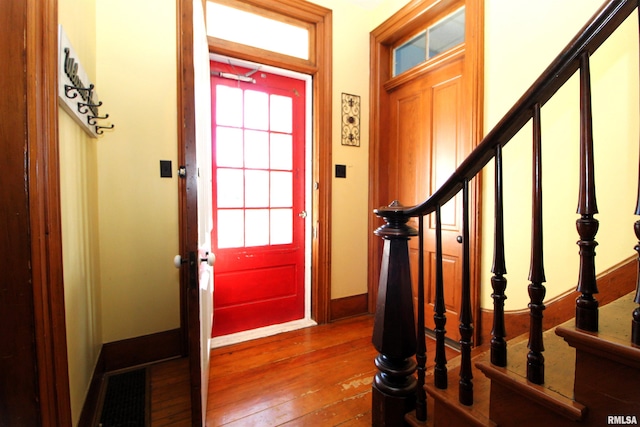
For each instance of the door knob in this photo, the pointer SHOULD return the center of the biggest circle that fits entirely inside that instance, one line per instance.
(459, 239)
(178, 261)
(210, 259)
(303, 214)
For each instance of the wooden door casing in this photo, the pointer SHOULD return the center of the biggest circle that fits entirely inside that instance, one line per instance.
(449, 85)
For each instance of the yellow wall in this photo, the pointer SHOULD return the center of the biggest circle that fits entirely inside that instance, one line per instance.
(521, 39)
(138, 229)
(350, 228)
(78, 181)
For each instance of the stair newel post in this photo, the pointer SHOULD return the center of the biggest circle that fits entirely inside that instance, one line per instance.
(587, 225)
(465, 389)
(498, 281)
(421, 350)
(394, 329)
(537, 291)
(440, 319)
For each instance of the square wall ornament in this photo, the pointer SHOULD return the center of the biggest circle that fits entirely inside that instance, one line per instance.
(350, 120)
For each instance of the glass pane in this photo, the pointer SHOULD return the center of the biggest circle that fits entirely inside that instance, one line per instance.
(281, 151)
(410, 54)
(447, 33)
(256, 110)
(256, 149)
(230, 227)
(281, 189)
(228, 147)
(281, 113)
(257, 227)
(281, 226)
(231, 99)
(256, 189)
(230, 188)
(254, 30)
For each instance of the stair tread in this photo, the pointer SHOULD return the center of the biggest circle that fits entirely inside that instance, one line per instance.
(613, 339)
(559, 362)
(476, 414)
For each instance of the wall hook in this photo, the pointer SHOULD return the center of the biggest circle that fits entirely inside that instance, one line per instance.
(99, 128)
(83, 108)
(77, 89)
(92, 119)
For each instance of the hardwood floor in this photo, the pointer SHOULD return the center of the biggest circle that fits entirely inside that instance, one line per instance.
(170, 396)
(318, 376)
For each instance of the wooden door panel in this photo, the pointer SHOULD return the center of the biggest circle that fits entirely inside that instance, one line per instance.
(426, 143)
(408, 155)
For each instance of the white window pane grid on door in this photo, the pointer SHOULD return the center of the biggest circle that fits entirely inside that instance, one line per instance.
(231, 98)
(281, 119)
(256, 149)
(229, 147)
(256, 110)
(254, 161)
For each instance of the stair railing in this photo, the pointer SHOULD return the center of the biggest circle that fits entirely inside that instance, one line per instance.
(395, 388)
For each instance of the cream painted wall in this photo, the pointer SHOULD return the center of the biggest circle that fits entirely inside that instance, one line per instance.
(521, 39)
(350, 229)
(79, 204)
(138, 229)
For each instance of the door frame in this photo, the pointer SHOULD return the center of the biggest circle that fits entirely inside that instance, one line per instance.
(36, 292)
(402, 24)
(319, 67)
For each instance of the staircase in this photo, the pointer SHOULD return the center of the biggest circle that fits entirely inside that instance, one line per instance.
(583, 372)
(591, 381)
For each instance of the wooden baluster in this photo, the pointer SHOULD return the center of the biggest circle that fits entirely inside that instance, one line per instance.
(587, 225)
(421, 351)
(498, 281)
(439, 317)
(394, 331)
(466, 318)
(535, 359)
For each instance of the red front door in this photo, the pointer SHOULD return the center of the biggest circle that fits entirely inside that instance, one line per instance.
(258, 199)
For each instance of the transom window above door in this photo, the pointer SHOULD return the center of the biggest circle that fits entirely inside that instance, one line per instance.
(229, 20)
(436, 39)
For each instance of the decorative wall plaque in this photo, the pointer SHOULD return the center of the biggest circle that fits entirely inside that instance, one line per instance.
(350, 120)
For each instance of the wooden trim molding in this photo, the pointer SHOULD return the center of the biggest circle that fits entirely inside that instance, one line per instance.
(415, 15)
(44, 212)
(125, 354)
(612, 284)
(319, 66)
(140, 350)
(349, 306)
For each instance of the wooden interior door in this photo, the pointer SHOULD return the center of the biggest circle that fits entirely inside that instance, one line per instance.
(258, 198)
(427, 141)
(194, 136)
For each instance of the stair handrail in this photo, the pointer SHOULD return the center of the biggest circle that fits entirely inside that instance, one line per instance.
(394, 385)
(603, 23)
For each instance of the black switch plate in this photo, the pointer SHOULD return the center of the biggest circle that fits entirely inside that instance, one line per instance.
(341, 171)
(165, 169)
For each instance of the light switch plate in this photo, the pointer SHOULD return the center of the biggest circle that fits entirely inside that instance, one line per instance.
(165, 169)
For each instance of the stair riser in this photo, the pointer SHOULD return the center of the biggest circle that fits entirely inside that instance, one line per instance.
(508, 408)
(607, 388)
(445, 416)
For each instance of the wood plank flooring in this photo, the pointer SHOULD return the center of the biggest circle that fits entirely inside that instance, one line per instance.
(318, 376)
